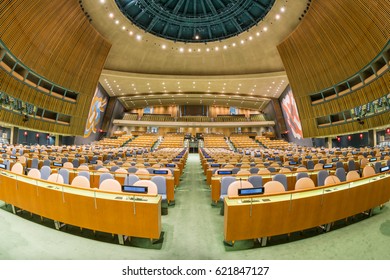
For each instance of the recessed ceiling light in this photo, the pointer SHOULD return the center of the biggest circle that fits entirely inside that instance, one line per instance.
(138, 37)
(163, 47)
(257, 33)
(131, 33)
(123, 27)
(217, 48)
(102, 1)
(250, 38)
(111, 15)
(117, 22)
(207, 50)
(282, 9)
(277, 16)
(242, 42)
(224, 47)
(181, 50)
(234, 44)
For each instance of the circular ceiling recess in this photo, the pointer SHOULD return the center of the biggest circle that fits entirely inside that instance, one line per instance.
(195, 21)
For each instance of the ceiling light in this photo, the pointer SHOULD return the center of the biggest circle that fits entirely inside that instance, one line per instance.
(181, 50)
(234, 44)
(216, 48)
(225, 47)
(242, 42)
(138, 37)
(131, 33)
(250, 38)
(111, 15)
(282, 9)
(163, 47)
(207, 50)
(117, 22)
(199, 50)
(257, 33)
(189, 50)
(123, 27)
(265, 28)
(277, 16)
(197, 37)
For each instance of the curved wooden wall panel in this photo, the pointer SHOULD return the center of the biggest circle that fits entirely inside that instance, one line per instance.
(56, 40)
(335, 40)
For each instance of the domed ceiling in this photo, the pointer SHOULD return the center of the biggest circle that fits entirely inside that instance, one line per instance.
(195, 21)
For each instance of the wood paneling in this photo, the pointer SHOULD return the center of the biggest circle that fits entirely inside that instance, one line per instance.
(336, 40)
(55, 40)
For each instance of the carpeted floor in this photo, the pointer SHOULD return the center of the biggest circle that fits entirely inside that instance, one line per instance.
(193, 229)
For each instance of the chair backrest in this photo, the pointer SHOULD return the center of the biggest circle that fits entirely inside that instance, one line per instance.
(34, 173)
(103, 169)
(45, 172)
(17, 168)
(142, 171)
(310, 164)
(263, 171)
(110, 185)
(85, 174)
(282, 178)
(304, 183)
(331, 180)
(318, 166)
(131, 179)
(161, 183)
(76, 163)
(114, 168)
(243, 172)
(273, 187)
(22, 159)
(284, 170)
(351, 165)
(253, 170)
(65, 174)
(368, 171)
(55, 177)
(68, 165)
(340, 173)
(301, 169)
(377, 167)
(234, 186)
(83, 167)
(132, 169)
(81, 181)
(225, 182)
(302, 175)
(235, 170)
(321, 176)
(352, 175)
(272, 169)
(256, 181)
(34, 163)
(121, 171)
(105, 176)
(152, 187)
(339, 164)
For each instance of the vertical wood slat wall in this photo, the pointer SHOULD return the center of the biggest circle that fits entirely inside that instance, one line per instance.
(56, 40)
(335, 40)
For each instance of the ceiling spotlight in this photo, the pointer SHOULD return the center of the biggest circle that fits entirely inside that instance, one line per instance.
(282, 9)
(196, 37)
(277, 16)
(111, 15)
(265, 28)
(163, 47)
(181, 50)
(138, 37)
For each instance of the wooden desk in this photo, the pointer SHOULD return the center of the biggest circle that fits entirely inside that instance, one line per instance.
(270, 215)
(110, 212)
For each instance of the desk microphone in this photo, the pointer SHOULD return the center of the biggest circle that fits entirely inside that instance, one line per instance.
(240, 183)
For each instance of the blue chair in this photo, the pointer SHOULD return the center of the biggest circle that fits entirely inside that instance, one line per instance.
(65, 175)
(272, 169)
(64, 159)
(34, 163)
(114, 168)
(161, 183)
(98, 166)
(105, 176)
(351, 165)
(225, 182)
(302, 175)
(340, 173)
(235, 170)
(85, 174)
(46, 162)
(132, 169)
(310, 164)
(131, 179)
(339, 164)
(45, 172)
(282, 178)
(76, 163)
(256, 181)
(321, 176)
(150, 170)
(253, 170)
(377, 167)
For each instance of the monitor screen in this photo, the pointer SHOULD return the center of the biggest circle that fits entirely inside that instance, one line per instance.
(57, 164)
(214, 165)
(52, 158)
(307, 157)
(210, 160)
(225, 172)
(250, 191)
(373, 159)
(13, 157)
(293, 162)
(134, 189)
(329, 165)
(271, 158)
(335, 159)
(383, 153)
(77, 155)
(176, 159)
(3, 166)
(384, 168)
(93, 162)
(170, 165)
(163, 172)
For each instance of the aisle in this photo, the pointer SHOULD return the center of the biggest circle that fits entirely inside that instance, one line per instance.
(194, 229)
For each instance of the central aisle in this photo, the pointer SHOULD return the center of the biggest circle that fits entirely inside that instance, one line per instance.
(193, 228)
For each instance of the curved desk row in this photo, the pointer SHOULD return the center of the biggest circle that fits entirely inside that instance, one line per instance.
(263, 216)
(117, 213)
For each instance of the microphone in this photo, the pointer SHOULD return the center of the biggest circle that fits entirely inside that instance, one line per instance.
(240, 183)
